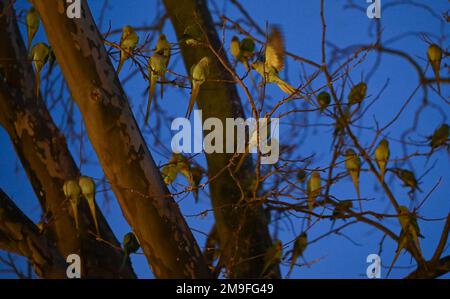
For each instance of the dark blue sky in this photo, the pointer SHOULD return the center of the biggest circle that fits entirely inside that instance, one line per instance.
(335, 256)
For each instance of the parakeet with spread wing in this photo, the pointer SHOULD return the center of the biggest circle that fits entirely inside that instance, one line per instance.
(274, 61)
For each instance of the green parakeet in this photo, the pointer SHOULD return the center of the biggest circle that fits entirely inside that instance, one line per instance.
(382, 154)
(324, 100)
(409, 225)
(39, 55)
(341, 208)
(300, 244)
(439, 137)
(87, 186)
(357, 93)
(199, 74)
(33, 22)
(130, 245)
(301, 175)
(192, 36)
(235, 47)
(402, 242)
(274, 61)
(179, 164)
(353, 166)
(434, 54)
(272, 256)
(128, 42)
(408, 178)
(313, 190)
(162, 45)
(157, 64)
(243, 50)
(72, 192)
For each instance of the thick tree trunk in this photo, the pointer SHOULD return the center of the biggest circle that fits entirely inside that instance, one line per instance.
(46, 159)
(147, 205)
(19, 235)
(243, 231)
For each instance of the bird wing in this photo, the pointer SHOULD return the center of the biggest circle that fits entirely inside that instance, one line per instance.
(275, 49)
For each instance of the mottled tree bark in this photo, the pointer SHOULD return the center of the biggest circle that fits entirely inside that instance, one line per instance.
(147, 205)
(243, 231)
(19, 235)
(47, 161)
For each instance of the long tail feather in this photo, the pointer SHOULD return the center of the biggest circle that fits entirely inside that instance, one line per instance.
(38, 82)
(286, 87)
(94, 215)
(121, 61)
(437, 75)
(194, 94)
(151, 92)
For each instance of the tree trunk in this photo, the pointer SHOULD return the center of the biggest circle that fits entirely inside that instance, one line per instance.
(19, 235)
(46, 159)
(243, 230)
(147, 205)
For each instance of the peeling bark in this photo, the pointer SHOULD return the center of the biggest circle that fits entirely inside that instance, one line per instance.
(243, 231)
(46, 159)
(146, 203)
(19, 235)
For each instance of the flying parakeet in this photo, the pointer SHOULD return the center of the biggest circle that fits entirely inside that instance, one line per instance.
(128, 42)
(199, 74)
(382, 154)
(72, 192)
(324, 100)
(87, 186)
(274, 61)
(272, 256)
(439, 137)
(300, 244)
(130, 245)
(313, 190)
(192, 36)
(409, 225)
(39, 55)
(408, 178)
(353, 166)
(434, 54)
(157, 64)
(32, 21)
(357, 93)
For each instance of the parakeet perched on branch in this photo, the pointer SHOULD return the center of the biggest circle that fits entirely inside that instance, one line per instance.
(243, 50)
(353, 166)
(409, 225)
(39, 54)
(199, 74)
(87, 186)
(33, 22)
(192, 36)
(357, 93)
(272, 257)
(128, 42)
(439, 137)
(434, 54)
(313, 189)
(300, 244)
(130, 245)
(408, 178)
(273, 61)
(72, 192)
(162, 45)
(382, 154)
(324, 100)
